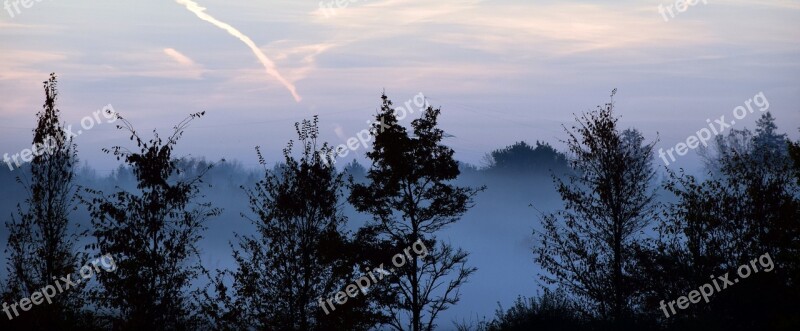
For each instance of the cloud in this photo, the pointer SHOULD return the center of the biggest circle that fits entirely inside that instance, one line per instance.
(781, 4)
(186, 66)
(17, 64)
(178, 57)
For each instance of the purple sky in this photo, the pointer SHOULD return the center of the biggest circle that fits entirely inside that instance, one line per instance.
(502, 71)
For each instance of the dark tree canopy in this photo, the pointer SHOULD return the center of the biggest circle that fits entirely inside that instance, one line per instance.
(299, 253)
(588, 247)
(410, 197)
(747, 207)
(521, 158)
(41, 238)
(152, 233)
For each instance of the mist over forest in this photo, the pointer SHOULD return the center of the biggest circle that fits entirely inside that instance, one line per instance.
(518, 186)
(533, 238)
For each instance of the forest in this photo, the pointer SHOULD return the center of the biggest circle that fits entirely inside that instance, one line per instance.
(615, 240)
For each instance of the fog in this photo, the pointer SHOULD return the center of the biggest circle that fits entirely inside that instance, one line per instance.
(497, 231)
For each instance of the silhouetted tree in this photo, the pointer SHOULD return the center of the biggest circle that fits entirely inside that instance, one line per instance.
(356, 170)
(41, 239)
(767, 139)
(410, 198)
(794, 153)
(550, 311)
(152, 234)
(745, 142)
(736, 141)
(748, 209)
(300, 254)
(588, 248)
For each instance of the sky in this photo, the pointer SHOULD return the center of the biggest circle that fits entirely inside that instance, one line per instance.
(502, 71)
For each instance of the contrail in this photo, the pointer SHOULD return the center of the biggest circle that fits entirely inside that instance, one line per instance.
(268, 64)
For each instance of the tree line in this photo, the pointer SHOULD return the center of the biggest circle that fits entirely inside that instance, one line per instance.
(609, 257)
(300, 252)
(616, 257)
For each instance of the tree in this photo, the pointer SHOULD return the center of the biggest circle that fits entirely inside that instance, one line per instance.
(299, 254)
(410, 198)
(152, 233)
(550, 311)
(588, 248)
(41, 240)
(794, 153)
(356, 171)
(747, 208)
(767, 140)
(737, 141)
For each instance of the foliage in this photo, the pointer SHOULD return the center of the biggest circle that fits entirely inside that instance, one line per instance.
(588, 248)
(41, 239)
(410, 198)
(748, 209)
(521, 157)
(152, 233)
(550, 311)
(299, 253)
